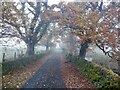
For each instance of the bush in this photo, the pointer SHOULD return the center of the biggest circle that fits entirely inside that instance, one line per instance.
(101, 77)
(19, 63)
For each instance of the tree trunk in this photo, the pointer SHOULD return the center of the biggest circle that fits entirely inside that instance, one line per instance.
(3, 59)
(82, 52)
(47, 47)
(119, 67)
(84, 46)
(30, 49)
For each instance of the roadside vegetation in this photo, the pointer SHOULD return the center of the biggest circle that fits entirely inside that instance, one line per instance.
(101, 77)
(20, 63)
(101, 59)
(17, 72)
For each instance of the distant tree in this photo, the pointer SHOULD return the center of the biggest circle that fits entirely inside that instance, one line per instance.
(47, 40)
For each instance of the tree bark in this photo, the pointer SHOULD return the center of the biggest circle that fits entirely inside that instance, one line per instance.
(82, 52)
(30, 49)
(84, 46)
(119, 67)
(47, 47)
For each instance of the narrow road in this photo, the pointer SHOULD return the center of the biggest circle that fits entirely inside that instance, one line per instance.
(48, 76)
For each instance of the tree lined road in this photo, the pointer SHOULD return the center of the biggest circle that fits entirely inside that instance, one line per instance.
(48, 76)
(73, 27)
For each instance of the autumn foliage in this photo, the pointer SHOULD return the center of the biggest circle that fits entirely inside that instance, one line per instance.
(99, 27)
(92, 25)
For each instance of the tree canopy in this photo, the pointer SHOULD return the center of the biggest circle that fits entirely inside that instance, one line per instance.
(28, 20)
(90, 22)
(92, 25)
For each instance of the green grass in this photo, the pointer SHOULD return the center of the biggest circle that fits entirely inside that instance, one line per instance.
(101, 77)
(19, 63)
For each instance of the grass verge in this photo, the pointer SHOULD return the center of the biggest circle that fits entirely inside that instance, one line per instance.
(15, 79)
(101, 77)
(19, 63)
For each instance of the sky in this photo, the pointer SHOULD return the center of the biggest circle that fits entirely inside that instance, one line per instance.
(50, 2)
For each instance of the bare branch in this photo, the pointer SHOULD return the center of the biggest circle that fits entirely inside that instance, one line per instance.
(43, 31)
(31, 11)
(31, 4)
(102, 48)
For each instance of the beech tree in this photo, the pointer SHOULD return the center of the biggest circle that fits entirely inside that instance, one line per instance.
(28, 21)
(92, 26)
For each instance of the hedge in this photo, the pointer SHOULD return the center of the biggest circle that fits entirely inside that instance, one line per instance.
(101, 77)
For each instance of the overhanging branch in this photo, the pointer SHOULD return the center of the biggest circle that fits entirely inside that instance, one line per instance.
(42, 32)
(31, 11)
(102, 48)
(16, 26)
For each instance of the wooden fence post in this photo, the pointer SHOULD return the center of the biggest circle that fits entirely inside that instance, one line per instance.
(3, 58)
(22, 52)
(15, 55)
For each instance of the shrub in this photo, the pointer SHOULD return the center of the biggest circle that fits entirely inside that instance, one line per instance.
(101, 77)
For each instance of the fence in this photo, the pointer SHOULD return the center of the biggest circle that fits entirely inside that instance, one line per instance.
(11, 53)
